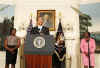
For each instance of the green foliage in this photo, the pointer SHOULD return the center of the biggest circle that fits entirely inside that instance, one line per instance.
(85, 22)
(6, 25)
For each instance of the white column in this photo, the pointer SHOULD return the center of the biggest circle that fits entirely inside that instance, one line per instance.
(72, 33)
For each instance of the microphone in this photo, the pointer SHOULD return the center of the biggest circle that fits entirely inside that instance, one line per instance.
(88, 52)
(87, 40)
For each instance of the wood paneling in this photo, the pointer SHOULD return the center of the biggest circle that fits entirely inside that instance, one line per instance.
(38, 61)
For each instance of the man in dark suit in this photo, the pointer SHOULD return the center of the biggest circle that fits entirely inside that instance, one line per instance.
(40, 29)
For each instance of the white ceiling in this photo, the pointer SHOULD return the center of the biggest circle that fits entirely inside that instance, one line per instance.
(89, 1)
(82, 1)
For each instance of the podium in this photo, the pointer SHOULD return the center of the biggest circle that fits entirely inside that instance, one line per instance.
(38, 50)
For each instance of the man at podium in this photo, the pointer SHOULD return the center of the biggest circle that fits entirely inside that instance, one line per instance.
(40, 29)
(37, 51)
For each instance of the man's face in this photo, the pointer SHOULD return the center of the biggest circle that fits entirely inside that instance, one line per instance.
(40, 21)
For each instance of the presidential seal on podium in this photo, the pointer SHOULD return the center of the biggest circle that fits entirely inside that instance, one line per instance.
(39, 42)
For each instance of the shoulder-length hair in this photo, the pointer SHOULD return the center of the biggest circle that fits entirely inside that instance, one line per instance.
(88, 34)
(11, 30)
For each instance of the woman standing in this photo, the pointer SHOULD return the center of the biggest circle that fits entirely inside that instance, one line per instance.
(88, 49)
(11, 45)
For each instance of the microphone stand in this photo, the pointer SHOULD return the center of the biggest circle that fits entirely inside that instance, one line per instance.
(89, 54)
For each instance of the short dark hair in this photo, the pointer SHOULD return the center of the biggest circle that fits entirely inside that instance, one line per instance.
(11, 30)
(88, 33)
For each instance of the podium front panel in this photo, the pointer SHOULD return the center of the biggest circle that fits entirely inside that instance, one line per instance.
(30, 46)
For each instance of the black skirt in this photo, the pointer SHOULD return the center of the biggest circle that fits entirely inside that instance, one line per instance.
(11, 58)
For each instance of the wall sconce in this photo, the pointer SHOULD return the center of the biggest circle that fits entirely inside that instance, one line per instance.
(68, 28)
(68, 31)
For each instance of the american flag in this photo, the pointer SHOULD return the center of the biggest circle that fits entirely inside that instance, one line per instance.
(30, 25)
(60, 31)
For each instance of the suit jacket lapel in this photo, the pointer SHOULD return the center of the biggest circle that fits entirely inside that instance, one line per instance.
(37, 29)
(42, 29)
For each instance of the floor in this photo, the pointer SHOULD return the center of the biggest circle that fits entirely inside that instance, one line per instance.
(2, 61)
